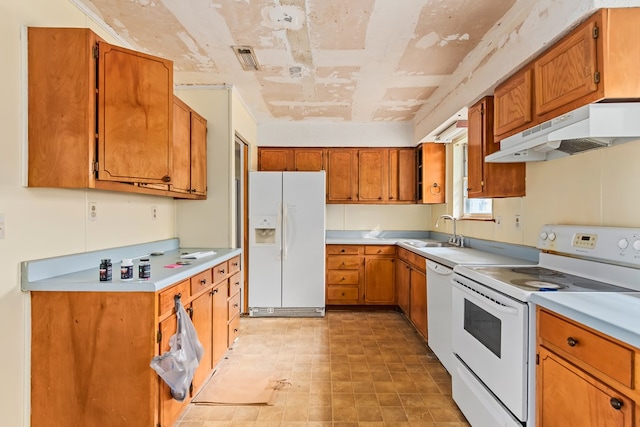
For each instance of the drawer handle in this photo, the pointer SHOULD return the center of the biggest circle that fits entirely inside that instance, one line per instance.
(235, 330)
(178, 295)
(572, 342)
(213, 292)
(343, 279)
(236, 283)
(343, 294)
(616, 404)
(203, 281)
(342, 250)
(235, 305)
(379, 250)
(235, 264)
(222, 271)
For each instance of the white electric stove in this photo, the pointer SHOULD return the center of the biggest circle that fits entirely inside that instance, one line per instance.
(494, 322)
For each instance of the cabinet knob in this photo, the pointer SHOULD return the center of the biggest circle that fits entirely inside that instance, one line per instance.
(235, 330)
(222, 271)
(203, 281)
(616, 404)
(572, 342)
(343, 294)
(213, 292)
(342, 250)
(166, 178)
(235, 305)
(342, 279)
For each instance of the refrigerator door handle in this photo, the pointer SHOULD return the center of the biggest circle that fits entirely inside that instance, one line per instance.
(284, 230)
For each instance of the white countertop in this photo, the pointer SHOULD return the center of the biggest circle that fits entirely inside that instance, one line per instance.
(614, 313)
(161, 274)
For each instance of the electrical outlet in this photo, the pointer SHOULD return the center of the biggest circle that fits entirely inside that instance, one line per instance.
(154, 212)
(518, 222)
(93, 211)
(1, 226)
(499, 222)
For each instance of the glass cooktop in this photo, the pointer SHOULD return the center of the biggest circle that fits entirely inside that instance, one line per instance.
(534, 278)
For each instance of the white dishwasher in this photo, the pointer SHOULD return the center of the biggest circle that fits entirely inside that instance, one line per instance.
(439, 291)
(439, 312)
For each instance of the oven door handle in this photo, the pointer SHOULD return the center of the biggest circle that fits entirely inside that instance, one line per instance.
(484, 299)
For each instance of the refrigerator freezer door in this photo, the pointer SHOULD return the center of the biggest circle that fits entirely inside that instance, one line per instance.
(303, 264)
(265, 272)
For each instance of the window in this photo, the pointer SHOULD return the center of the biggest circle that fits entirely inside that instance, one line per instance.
(464, 207)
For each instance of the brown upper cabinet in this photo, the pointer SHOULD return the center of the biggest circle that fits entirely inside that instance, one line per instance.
(373, 175)
(489, 179)
(431, 169)
(342, 175)
(282, 159)
(100, 116)
(590, 64)
(189, 150)
(402, 175)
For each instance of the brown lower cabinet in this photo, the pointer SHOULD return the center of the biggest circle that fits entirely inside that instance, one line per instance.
(90, 351)
(361, 274)
(411, 281)
(584, 378)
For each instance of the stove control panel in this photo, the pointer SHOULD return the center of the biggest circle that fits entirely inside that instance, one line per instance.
(612, 244)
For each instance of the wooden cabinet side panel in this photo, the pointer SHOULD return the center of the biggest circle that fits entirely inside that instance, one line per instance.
(475, 150)
(619, 52)
(135, 99)
(565, 73)
(61, 97)
(90, 355)
(181, 177)
(407, 175)
(403, 287)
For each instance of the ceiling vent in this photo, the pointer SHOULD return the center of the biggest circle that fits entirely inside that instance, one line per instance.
(247, 58)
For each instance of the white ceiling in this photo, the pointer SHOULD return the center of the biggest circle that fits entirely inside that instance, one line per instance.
(361, 60)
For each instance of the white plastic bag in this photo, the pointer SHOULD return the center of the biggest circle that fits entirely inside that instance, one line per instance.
(176, 366)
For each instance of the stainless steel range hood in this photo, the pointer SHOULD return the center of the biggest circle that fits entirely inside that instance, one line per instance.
(586, 128)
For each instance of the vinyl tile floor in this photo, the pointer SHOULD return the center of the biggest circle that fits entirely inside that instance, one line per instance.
(366, 369)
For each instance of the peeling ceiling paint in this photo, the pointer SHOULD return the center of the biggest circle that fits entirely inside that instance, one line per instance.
(323, 60)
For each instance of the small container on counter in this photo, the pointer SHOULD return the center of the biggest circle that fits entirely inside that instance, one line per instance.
(126, 270)
(105, 270)
(144, 269)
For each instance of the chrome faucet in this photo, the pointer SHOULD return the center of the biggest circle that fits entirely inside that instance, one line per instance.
(455, 239)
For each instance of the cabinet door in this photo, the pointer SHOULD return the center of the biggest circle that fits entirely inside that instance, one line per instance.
(379, 280)
(489, 179)
(431, 173)
(201, 317)
(342, 175)
(567, 396)
(402, 175)
(135, 116)
(308, 159)
(567, 71)
(419, 301)
(219, 322)
(403, 286)
(476, 136)
(513, 103)
(169, 407)
(181, 177)
(198, 154)
(373, 175)
(274, 159)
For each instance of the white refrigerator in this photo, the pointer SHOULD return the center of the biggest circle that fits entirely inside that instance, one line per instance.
(287, 244)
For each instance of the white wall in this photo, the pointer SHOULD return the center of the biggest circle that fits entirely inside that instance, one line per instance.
(43, 222)
(378, 217)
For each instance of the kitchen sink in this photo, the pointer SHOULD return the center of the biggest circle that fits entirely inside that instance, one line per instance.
(422, 244)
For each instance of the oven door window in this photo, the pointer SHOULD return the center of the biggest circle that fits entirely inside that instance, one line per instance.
(483, 326)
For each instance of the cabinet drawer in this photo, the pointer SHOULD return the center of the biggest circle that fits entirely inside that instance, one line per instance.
(234, 330)
(416, 261)
(234, 264)
(343, 277)
(380, 250)
(166, 301)
(342, 294)
(220, 271)
(343, 262)
(608, 357)
(234, 284)
(200, 281)
(234, 305)
(344, 249)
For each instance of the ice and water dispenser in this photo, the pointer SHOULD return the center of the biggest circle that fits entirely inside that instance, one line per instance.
(264, 230)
